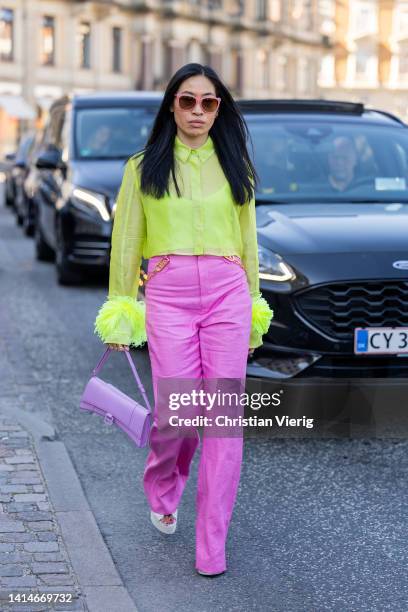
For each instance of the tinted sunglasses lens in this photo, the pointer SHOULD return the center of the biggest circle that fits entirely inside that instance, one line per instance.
(186, 102)
(209, 104)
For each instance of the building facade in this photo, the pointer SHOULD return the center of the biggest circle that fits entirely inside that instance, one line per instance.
(369, 59)
(260, 48)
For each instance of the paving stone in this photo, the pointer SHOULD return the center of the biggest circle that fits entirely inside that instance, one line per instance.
(41, 546)
(19, 460)
(40, 525)
(7, 526)
(6, 547)
(14, 488)
(26, 467)
(52, 556)
(47, 536)
(44, 506)
(28, 480)
(19, 581)
(20, 507)
(15, 537)
(57, 579)
(49, 568)
(15, 557)
(29, 497)
(11, 569)
(36, 515)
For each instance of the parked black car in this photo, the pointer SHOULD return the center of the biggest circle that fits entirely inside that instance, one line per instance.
(7, 166)
(332, 216)
(21, 169)
(78, 172)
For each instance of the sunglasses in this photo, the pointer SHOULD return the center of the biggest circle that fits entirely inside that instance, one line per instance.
(186, 102)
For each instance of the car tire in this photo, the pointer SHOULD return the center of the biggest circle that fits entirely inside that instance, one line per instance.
(28, 226)
(43, 251)
(29, 220)
(66, 273)
(19, 219)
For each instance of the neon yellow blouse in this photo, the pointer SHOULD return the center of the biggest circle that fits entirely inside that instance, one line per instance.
(205, 220)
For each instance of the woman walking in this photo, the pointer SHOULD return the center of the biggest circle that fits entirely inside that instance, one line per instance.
(186, 203)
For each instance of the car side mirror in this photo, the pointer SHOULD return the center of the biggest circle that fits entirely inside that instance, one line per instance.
(20, 163)
(49, 159)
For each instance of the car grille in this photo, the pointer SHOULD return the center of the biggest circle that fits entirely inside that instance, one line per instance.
(336, 309)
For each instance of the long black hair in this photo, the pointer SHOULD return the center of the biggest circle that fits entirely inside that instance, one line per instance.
(229, 133)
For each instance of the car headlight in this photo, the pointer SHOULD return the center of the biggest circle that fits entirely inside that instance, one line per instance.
(87, 200)
(273, 267)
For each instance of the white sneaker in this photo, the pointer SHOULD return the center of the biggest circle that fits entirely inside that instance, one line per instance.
(163, 527)
(209, 573)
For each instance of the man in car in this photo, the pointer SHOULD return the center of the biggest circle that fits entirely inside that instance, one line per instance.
(342, 160)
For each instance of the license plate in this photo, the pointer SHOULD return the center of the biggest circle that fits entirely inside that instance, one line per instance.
(380, 340)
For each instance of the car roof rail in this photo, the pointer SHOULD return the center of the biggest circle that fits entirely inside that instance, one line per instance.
(387, 114)
(299, 106)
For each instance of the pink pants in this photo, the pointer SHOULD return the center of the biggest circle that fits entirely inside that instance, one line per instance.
(198, 320)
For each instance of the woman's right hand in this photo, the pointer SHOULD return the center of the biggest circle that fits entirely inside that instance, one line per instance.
(118, 347)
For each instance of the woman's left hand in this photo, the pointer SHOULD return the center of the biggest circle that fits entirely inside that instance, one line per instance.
(251, 352)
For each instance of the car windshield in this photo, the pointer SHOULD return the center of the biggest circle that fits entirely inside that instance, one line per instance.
(111, 133)
(310, 161)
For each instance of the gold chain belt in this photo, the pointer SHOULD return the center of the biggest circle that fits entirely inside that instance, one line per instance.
(165, 260)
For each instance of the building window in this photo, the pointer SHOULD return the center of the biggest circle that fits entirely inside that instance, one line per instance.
(366, 61)
(117, 49)
(302, 14)
(403, 59)
(6, 34)
(282, 81)
(263, 68)
(48, 41)
(261, 9)
(85, 44)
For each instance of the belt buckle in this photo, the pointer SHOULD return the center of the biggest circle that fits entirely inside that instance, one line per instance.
(108, 419)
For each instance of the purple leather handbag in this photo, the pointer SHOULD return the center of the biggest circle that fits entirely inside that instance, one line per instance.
(115, 406)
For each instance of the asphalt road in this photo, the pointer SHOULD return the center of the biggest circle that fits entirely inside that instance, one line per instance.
(319, 525)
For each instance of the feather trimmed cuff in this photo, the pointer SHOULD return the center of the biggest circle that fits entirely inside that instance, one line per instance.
(122, 320)
(262, 315)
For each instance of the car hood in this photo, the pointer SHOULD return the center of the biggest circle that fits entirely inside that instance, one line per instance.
(102, 176)
(337, 240)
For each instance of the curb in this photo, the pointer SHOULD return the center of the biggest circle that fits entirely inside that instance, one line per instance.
(90, 557)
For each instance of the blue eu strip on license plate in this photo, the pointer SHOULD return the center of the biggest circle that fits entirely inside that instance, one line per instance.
(381, 340)
(362, 340)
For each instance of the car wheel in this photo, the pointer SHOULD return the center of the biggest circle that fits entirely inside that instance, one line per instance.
(19, 219)
(66, 273)
(28, 226)
(43, 251)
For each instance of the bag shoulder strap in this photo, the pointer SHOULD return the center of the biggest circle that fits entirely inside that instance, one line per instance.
(102, 362)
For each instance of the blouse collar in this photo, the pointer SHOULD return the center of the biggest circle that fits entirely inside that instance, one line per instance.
(183, 151)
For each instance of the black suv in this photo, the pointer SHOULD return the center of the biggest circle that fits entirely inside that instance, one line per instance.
(77, 174)
(332, 216)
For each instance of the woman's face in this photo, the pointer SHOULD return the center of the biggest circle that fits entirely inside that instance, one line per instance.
(196, 85)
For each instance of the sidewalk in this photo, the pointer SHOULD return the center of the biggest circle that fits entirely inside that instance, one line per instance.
(50, 544)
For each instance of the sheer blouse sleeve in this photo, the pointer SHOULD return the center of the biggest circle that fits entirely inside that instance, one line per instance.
(261, 312)
(121, 318)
